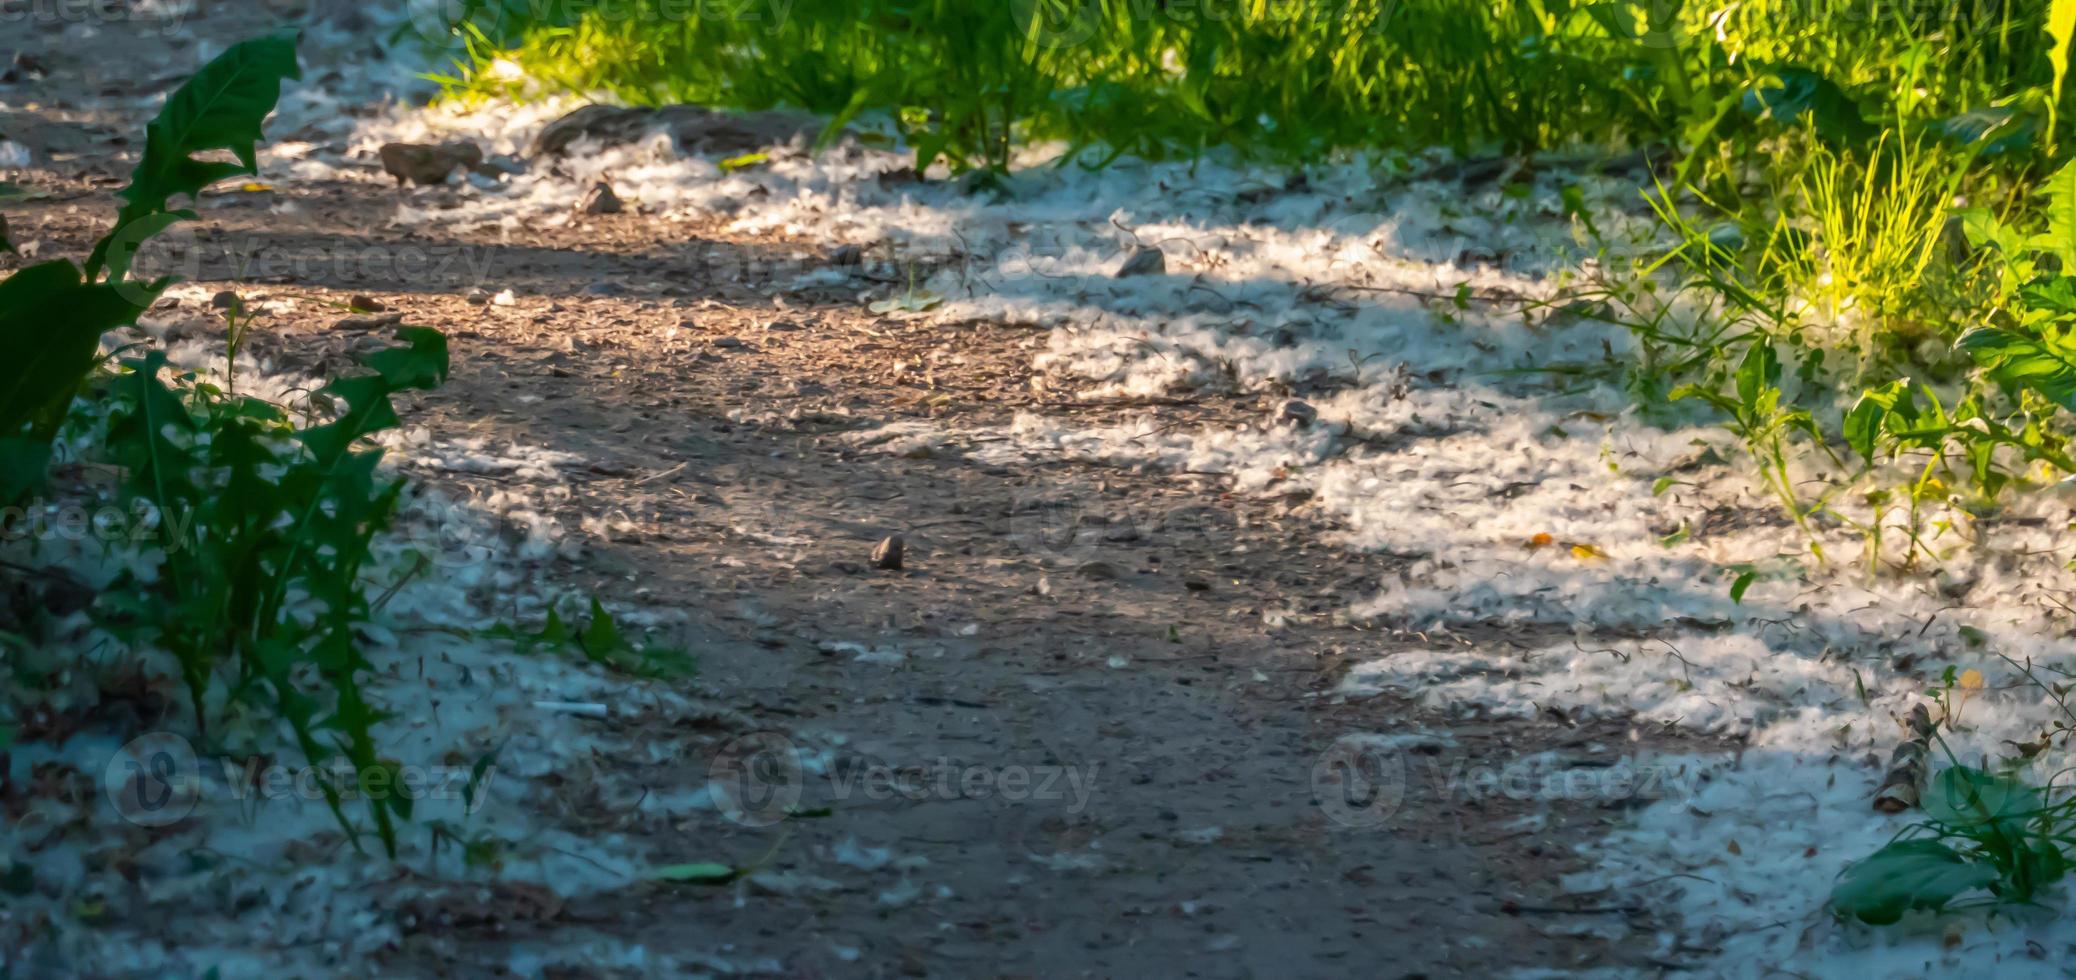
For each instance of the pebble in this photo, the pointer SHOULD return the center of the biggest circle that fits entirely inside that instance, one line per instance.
(889, 552)
(427, 165)
(601, 200)
(1144, 261)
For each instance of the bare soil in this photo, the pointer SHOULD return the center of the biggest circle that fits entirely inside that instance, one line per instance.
(1118, 623)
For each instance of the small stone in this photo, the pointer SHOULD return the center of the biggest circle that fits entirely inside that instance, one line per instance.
(782, 325)
(728, 343)
(370, 321)
(601, 200)
(1197, 584)
(889, 552)
(1144, 261)
(1099, 570)
(477, 296)
(845, 256)
(224, 300)
(1298, 412)
(361, 303)
(426, 165)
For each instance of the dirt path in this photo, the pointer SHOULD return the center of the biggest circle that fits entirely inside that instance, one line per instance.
(1142, 662)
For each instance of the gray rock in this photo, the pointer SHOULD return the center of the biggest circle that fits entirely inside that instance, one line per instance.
(425, 164)
(889, 553)
(1144, 261)
(1298, 412)
(695, 129)
(601, 200)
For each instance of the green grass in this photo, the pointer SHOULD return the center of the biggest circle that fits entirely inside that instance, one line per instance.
(1870, 205)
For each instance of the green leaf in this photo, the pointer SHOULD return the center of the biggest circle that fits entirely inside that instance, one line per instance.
(1743, 582)
(2017, 361)
(24, 467)
(1794, 95)
(51, 325)
(1907, 875)
(1757, 372)
(2061, 27)
(220, 108)
(423, 364)
(1965, 797)
(601, 637)
(2058, 237)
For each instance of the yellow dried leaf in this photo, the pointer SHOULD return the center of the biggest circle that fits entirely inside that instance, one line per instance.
(1587, 552)
(1971, 679)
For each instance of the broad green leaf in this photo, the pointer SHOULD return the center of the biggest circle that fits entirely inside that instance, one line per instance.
(1757, 372)
(51, 325)
(2043, 365)
(1961, 796)
(220, 108)
(601, 637)
(24, 467)
(1798, 94)
(423, 364)
(2058, 237)
(1741, 585)
(1907, 875)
